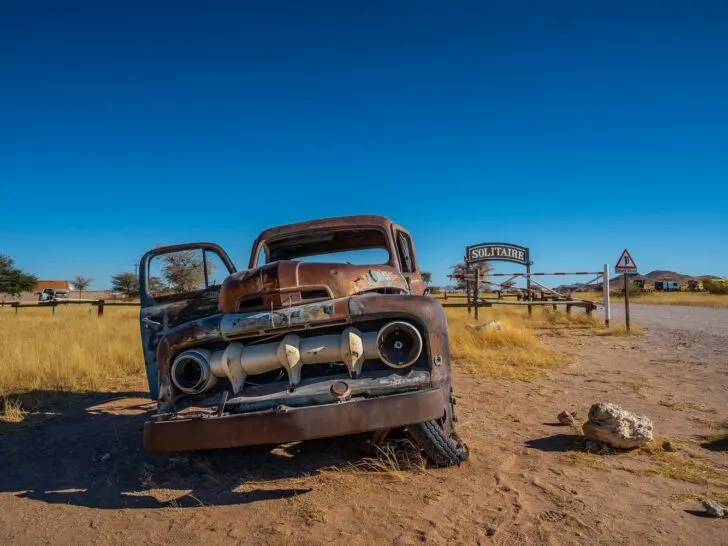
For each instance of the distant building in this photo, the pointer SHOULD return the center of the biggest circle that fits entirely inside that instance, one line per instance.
(56, 285)
(667, 285)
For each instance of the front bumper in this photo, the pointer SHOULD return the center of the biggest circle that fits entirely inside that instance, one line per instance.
(288, 424)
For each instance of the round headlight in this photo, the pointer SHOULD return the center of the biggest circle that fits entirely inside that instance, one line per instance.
(399, 344)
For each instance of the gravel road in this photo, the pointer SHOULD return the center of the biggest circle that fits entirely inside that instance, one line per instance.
(703, 330)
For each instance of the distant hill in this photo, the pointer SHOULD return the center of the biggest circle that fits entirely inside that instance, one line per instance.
(660, 275)
(664, 275)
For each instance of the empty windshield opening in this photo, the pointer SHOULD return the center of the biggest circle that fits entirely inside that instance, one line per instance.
(356, 246)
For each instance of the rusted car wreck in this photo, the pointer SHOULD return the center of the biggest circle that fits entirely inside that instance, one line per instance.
(297, 348)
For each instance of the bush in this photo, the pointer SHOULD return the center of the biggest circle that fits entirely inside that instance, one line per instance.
(716, 286)
(634, 291)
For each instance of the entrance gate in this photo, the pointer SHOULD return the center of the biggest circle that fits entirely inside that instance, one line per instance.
(506, 252)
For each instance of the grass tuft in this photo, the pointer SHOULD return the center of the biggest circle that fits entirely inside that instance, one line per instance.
(682, 466)
(12, 410)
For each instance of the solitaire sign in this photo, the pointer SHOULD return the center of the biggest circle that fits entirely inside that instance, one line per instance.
(625, 264)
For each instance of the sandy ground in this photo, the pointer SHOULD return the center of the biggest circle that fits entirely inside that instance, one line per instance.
(527, 481)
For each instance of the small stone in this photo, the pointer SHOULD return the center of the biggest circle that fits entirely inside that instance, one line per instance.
(490, 530)
(592, 446)
(667, 445)
(567, 418)
(714, 509)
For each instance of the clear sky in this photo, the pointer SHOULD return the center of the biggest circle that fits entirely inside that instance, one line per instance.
(574, 128)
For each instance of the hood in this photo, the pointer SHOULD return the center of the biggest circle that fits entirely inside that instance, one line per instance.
(285, 283)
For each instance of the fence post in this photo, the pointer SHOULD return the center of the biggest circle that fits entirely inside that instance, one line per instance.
(54, 306)
(605, 288)
(476, 292)
(467, 286)
(528, 287)
(16, 308)
(100, 306)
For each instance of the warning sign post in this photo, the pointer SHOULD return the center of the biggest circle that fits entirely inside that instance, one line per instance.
(625, 265)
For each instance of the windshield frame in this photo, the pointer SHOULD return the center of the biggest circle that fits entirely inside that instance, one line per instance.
(262, 245)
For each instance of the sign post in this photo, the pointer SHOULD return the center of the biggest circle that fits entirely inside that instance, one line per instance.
(467, 284)
(476, 292)
(529, 294)
(605, 290)
(626, 265)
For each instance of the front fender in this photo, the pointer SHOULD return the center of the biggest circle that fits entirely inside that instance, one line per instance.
(423, 311)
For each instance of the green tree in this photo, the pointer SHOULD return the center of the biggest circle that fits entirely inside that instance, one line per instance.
(13, 281)
(126, 283)
(156, 286)
(184, 271)
(426, 277)
(81, 283)
(485, 269)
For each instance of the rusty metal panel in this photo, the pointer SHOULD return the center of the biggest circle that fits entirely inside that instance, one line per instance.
(285, 424)
(236, 325)
(288, 283)
(312, 391)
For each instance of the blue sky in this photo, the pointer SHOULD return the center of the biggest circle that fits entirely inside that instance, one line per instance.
(574, 128)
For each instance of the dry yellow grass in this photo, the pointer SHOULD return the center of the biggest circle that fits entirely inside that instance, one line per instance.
(695, 299)
(513, 352)
(682, 466)
(72, 351)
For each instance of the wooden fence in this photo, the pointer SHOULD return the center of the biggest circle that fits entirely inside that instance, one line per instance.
(99, 304)
(544, 300)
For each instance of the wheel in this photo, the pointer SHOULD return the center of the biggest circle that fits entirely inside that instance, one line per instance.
(441, 449)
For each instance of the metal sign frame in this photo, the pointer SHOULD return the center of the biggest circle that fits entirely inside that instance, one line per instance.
(494, 252)
(625, 268)
(497, 252)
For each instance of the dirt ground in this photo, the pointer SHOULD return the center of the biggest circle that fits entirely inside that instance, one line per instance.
(79, 475)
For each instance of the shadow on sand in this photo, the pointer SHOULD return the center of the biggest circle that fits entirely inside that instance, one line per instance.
(86, 450)
(558, 443)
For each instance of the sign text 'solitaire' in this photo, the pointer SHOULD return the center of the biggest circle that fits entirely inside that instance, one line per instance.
(497, 252)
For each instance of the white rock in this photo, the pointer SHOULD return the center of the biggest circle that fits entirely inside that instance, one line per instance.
(617, 427)
(492, 325)
(715, 509)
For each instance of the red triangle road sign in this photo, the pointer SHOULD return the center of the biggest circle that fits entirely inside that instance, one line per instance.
(625, 263)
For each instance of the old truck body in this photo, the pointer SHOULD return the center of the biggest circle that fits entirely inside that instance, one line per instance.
(297, 346)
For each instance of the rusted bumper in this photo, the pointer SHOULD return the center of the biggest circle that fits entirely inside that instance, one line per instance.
(292, 424)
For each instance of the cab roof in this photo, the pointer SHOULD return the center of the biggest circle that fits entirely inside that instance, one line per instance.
(334, 222)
